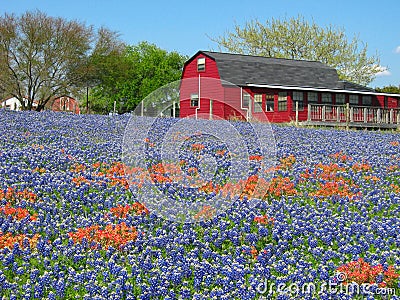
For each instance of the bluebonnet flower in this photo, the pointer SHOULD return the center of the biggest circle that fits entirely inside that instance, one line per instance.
(308, 241)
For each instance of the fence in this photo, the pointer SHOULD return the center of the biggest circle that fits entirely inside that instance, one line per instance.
(359, 116)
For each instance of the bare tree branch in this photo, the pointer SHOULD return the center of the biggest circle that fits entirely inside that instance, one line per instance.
(296, 38)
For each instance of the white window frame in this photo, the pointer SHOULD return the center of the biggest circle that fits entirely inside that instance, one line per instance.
(341, 98)
(298, 96)
(353, 99)
(194, 97)
(326, 98)
(268, 99)
(258, 103)
(366, 97)
(246, 100)
(313, 96)
(201, 64)
(283, 101)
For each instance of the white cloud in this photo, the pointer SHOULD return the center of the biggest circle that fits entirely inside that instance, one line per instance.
(397, 49)
(383, 72)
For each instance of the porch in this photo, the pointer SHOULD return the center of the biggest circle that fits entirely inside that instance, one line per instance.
(350, 116)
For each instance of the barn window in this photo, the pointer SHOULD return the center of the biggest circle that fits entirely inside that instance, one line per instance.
(246, 100)
(299, 98)
(194, 100)
(326, 98)
(340, 99)
(312, 97)
(366, 100)
(257, 103)
(353, 99)
(269, 102)
(201, 64)
(282, 101)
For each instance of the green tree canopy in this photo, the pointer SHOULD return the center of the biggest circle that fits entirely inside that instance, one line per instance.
(104, 69)
(141, 69)
(296, 38)
(391, 89)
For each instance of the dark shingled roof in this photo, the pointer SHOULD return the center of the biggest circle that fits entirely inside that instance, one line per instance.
(350, 86)
(243, 69)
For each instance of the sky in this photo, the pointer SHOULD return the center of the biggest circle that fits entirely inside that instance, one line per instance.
(189, 26)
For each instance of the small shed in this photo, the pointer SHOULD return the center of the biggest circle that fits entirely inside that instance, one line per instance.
(64, 104)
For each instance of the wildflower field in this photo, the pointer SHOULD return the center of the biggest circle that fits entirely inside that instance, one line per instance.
(71, 226)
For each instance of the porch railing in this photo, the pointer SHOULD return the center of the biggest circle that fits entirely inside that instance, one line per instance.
(353, 114)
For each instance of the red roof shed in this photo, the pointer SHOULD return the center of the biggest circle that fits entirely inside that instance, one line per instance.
(65, 104)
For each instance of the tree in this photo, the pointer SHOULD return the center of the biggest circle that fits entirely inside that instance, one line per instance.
(298, 39)
(38, 56)
(141, 70)
(391, 89)
(104, 66)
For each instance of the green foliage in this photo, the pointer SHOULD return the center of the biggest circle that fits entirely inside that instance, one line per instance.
(298, 39)
(128, 78)
(104, 67)
(391, 89)
(42, 57)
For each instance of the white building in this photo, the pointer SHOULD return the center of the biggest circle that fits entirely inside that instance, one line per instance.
(13, 103)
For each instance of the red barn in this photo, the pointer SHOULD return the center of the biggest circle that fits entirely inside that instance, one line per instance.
(64, 103)
(223, 85)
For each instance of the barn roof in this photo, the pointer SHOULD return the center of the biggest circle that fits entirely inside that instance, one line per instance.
(243, 70)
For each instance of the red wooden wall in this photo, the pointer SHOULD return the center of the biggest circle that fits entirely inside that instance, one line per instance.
(67, 104)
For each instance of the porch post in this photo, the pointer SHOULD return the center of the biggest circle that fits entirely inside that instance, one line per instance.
(211, 109)
(297, 113)
(398, 116)
(338, 114)
(249, 112)
(351, 114)
(323, 113)
(391, 116)
(365, 115)
(309, 112)
(378, 115)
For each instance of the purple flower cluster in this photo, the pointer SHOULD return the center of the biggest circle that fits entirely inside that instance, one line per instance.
(61, 158)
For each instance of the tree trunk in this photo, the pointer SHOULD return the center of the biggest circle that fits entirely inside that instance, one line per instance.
(40, 107)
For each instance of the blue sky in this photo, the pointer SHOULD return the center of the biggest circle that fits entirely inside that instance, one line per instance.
(185, 26)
